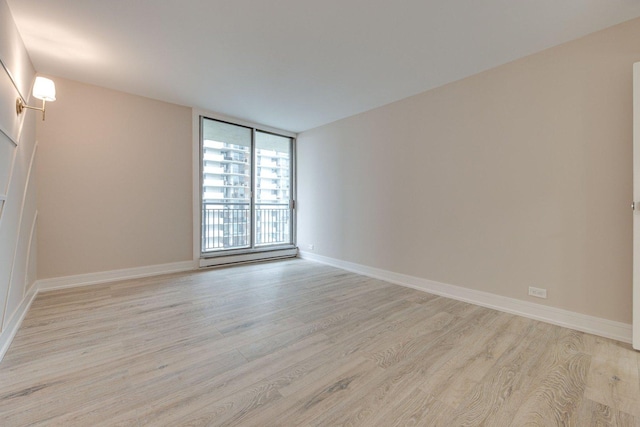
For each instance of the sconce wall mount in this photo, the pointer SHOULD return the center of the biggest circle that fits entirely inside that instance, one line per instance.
(43, 89)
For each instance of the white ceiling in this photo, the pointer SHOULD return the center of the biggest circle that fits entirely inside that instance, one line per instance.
(294, 64)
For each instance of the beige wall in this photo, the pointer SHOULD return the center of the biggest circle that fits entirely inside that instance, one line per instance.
(114, 179)
(519, 176)
(17, 182)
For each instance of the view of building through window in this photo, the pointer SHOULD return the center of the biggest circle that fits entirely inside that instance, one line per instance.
(228, 170)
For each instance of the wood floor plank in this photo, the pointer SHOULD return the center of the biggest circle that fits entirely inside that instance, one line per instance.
(418, 408)
(323, 396)
(294, 343)
(613, 378)
(465, 369)
(491, 395)
(591, 413)
(203, 390)
(557, 346)
(558, 396)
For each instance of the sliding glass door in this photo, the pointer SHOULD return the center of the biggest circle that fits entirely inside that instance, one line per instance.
(226, 186)
(246, 189)
(272, 223)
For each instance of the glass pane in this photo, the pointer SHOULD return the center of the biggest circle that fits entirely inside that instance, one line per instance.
(226, 184)
(273, 189)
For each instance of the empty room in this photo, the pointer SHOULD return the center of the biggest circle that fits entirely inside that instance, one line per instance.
(296, 213)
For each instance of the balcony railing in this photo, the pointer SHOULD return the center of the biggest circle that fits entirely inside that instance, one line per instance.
(272, 224)
(229, 226)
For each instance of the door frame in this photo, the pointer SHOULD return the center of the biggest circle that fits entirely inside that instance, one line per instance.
(636, 206)
(243, 255)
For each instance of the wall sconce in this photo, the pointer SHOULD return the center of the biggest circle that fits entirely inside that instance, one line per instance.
(43, 89)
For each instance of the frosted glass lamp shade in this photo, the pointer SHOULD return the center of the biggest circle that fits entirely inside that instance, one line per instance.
(44, 89)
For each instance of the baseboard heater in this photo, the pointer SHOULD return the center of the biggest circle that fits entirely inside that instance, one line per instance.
(248, 257)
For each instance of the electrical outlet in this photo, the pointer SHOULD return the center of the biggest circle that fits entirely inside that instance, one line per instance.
(311, 247)
(537, 292)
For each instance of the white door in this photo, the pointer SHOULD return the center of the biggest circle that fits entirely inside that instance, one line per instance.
(636, 206)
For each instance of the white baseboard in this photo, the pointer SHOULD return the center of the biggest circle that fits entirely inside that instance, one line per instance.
(10, 331)
(594, 325)
(112, 276)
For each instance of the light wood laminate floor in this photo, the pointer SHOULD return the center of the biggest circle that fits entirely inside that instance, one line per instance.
(296, 343)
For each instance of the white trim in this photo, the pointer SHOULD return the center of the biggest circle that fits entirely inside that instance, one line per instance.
(635, 214)
(569, 319)
(12, 168)
(34, 223)
(15, 140)
(26, 290)
(195, 167)
(44, 285)
(9, 137)
(20, 218)
(14, 156)
(248, 257)
(13, 81)
(197, 112)
(15, 86)
(15, 321)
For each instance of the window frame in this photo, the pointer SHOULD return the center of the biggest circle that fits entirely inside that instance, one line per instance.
(226, 256)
